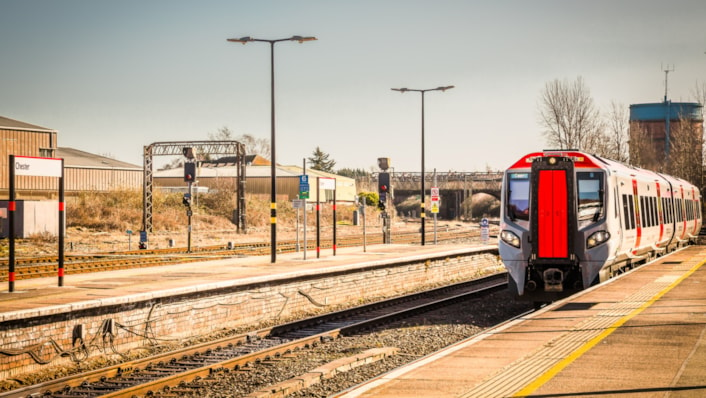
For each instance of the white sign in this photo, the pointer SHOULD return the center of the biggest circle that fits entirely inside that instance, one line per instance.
(484, 231)
(27, 166)
(327, 183)
(298, 203)
(434, 192)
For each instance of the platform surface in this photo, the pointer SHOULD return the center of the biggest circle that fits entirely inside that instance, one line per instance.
(642, 334)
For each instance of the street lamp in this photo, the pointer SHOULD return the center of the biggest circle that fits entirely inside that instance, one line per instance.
(404, 90)
(273, 196)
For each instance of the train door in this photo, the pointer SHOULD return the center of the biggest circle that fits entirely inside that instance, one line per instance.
(554, 219)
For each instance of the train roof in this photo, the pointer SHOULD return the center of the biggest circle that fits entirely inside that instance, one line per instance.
(585, 160)
(581, 159)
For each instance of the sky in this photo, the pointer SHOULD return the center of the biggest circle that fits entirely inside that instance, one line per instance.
(114, 76)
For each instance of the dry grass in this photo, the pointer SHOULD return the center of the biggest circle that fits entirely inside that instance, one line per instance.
(98, 222)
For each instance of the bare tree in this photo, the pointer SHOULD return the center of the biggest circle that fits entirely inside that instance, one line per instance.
(685, 153)
(570, 117)
(700, 93)
(617, 132)
(643, 152)
(253, 145)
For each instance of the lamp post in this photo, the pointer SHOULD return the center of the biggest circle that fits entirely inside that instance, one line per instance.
(273, 196)
(404, 90)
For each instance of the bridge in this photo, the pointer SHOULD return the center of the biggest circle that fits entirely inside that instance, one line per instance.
(454, 187)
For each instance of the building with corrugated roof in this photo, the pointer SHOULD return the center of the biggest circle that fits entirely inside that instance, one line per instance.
(83, 171)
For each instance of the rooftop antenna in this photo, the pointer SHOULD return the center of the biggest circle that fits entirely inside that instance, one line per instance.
(666, 79)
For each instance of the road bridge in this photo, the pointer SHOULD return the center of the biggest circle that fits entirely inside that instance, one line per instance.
(454, 187)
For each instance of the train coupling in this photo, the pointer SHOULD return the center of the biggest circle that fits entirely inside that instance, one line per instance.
(553, 280)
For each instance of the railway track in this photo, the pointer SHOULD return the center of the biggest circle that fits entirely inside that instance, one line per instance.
(175, 371)
(46, 266)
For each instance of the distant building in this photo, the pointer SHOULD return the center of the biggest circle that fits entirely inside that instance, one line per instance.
(83, 171)
(24, 139)
(656, 129)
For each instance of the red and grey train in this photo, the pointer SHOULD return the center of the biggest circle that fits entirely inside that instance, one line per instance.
(570, 220)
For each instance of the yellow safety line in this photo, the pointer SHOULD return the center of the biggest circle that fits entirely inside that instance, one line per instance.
(549, 374)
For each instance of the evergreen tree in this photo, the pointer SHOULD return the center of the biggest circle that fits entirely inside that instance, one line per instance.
(320, 161)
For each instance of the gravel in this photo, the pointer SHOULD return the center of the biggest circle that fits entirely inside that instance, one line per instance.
(414, 337)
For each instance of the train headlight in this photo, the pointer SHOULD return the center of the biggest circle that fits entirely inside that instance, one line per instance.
(510, 238)
(597, 238)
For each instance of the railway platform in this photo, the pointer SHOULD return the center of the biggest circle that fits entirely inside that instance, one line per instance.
(116, 311)
(41, 296)
(642, 334)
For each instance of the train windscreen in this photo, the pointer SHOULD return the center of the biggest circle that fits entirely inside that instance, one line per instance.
(518, 196)
(590, 197)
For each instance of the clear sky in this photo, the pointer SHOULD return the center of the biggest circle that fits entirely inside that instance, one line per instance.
(114, 76)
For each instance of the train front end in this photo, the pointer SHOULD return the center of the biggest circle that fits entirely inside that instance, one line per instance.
(552, 222)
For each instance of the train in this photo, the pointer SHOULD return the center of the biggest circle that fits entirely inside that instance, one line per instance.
(570, 220)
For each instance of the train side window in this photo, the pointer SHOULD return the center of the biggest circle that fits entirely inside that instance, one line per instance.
(518, 195)
(655, 216)
(631, 205)
(590, 197)
(626, 212)
(642, 211)
(688, 209)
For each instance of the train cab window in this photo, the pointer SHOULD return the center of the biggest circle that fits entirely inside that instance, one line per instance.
(518, 195)
(590, 197)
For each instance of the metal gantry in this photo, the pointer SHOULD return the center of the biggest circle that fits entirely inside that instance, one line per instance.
(202, 147)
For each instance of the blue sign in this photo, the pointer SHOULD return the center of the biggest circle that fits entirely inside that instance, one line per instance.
(303, 179)
(304, 191)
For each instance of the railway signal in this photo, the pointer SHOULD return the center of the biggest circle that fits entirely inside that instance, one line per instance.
(189, 171)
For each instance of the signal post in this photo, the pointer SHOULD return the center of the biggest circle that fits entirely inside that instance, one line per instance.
(384, 188)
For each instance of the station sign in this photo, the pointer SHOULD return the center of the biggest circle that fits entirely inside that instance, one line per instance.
(327, 183)
(31, 166)
(484, 230)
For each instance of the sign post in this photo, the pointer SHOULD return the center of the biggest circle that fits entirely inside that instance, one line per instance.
(435, 204)
(304, 195)
(33, 166)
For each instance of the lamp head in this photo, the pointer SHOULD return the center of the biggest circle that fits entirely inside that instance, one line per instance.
(302, 39)
(242, 40)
